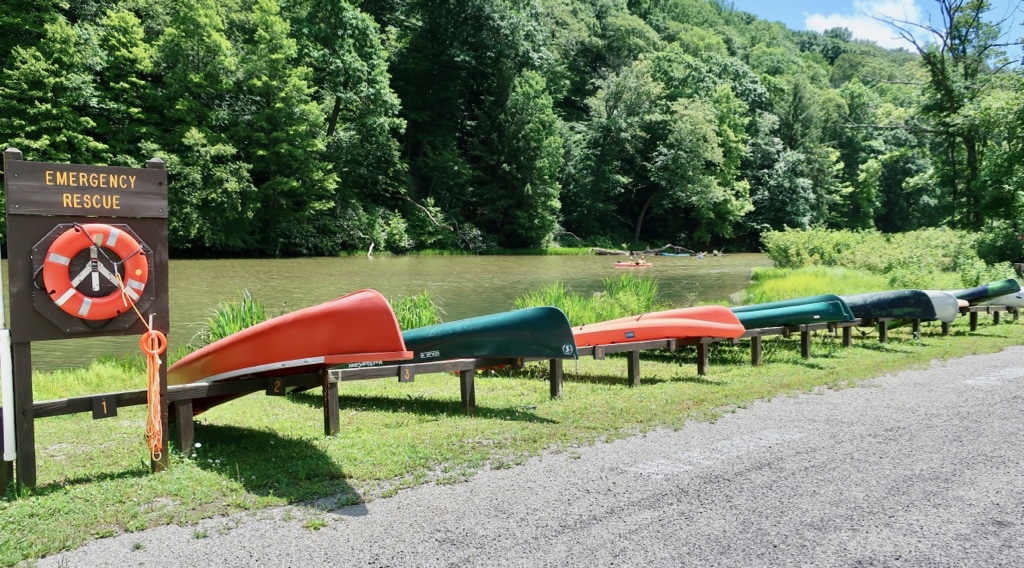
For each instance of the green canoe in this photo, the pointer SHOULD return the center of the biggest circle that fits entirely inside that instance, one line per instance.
(979, 294)
(902, 304)
(796, 311)
(542, 332)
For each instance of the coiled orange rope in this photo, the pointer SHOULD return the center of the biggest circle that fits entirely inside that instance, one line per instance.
(153, 344)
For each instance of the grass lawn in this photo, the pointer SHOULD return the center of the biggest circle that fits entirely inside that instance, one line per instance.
(261, 451)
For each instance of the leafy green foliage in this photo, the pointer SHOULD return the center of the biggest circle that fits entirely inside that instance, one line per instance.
(925, 259)
(312, 127)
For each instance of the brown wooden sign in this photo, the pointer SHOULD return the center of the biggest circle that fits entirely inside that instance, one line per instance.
(45, 200)
(41, 188)
(80, 240)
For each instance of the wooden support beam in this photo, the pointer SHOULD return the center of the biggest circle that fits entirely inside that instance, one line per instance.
(633, 371)
(915, 327)
(883, 331)
(974, 320)
(24, 419)
(468, 391)
(702, 358)
(995, 317)
(945, 328)
(847, 336)
(805, 343)
(332, 420)
(6, 467)
(184, 424)
(399, 371)
(555, 375)
(755, 350)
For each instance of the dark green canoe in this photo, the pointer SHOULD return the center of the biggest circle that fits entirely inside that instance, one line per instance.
(542, 332)
(979, 294)
(903, 304)
(796, 311)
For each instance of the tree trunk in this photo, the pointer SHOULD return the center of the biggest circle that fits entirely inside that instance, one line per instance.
(972, 188)
(640, 217)
(332, 124)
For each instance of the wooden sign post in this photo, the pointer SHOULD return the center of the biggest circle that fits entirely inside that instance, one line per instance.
(79, 238)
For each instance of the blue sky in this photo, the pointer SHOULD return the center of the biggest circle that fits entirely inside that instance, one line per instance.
(855, 15)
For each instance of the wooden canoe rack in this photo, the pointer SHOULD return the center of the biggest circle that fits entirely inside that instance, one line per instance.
(181, 397)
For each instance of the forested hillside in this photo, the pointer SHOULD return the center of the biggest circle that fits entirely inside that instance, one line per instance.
(309, 127)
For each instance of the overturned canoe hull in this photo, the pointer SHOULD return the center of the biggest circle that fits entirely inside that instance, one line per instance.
(980, 294)
(1013, 300)
(899, 304)
(541, 332)
(823, 308)
(947, 306)
(356, 327)
(712, 313)
(653, 329)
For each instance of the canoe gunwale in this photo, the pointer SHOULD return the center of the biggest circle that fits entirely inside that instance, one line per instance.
(281, 368)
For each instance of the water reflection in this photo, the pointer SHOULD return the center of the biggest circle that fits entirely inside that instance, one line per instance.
(465, 286)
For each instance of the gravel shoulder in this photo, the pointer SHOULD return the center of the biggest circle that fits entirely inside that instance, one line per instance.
(919, 468)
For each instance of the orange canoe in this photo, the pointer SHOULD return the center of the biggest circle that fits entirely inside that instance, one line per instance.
(357, 327)
(653, 329)
(713, 313)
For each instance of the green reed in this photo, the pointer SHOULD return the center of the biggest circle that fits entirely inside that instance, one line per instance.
(229, 317)
(625, 295)
(416, 311)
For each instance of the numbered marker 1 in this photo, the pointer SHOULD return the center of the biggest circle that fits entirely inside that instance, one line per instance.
(104, 407)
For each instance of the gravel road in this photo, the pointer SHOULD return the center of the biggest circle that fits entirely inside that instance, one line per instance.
(920, 468)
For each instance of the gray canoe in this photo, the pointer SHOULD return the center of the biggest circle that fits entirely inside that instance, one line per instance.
(947, 306)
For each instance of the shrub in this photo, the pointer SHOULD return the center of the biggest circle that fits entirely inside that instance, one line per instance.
(926, 259)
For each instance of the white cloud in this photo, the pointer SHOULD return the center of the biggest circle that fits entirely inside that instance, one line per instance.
(864, 25)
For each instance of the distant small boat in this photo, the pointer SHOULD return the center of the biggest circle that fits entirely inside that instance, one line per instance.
(633, 264)
(823, 308)
(357, 327)
(988, 291)
(719, 322)
(900, 304)
(540, 332)
(673, 254)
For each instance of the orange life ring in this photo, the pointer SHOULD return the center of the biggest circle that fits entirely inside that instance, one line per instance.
(129, 284)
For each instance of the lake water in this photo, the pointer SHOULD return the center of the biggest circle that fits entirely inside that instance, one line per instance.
(464, 286)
